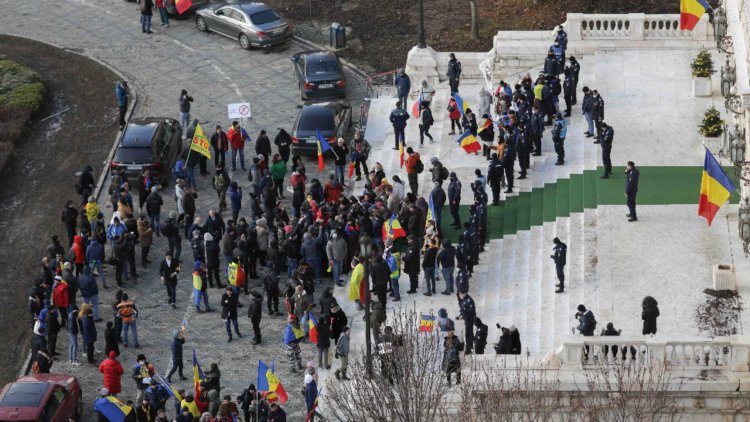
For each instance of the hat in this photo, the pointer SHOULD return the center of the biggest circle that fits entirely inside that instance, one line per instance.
(453, 175)
(207, 237)
(581, 308)
(197, 265)
(57, 277)
(112, 354)
(308, 379)
(442, 313)
(92, 199)
(433, 160)
(173, 214)
(141, 357)
(409, 150)
(104, 391)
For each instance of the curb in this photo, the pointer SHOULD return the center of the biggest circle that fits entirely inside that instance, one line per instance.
(102, 176)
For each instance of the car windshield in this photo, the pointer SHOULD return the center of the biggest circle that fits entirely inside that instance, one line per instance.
(322, 68)
(264, 16)
(320, 118)
(134, 155)
(24, 395)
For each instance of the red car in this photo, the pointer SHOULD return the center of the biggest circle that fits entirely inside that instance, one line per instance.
(42, 398)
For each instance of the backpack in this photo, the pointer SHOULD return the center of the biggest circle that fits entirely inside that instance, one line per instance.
(166, 228)
(419, 166)
(444, 173)
(220, 183)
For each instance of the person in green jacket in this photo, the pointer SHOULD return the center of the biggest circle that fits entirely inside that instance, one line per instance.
(278, 171)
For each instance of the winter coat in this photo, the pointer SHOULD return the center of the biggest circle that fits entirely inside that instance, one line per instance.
(88, 329)
(212, 254)
(411, 258)
(255, 310)
(228, 306)
(95, 251)
(112, 371)
(336, 249)
(587, 322)
(278, 170)
(154, 203)
(145, 234)
(398, 118)
(87, 283)
(263, 146)
(403, 84)
(111, 341)
(61, 294)
(235, 198)
(648, 315)
(324, 336)
(338, 322)
(438, 197)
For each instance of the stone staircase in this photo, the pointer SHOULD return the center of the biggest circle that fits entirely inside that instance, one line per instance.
(514, 283)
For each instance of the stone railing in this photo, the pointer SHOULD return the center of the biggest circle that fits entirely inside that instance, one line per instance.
(730, 353)
(631, 27)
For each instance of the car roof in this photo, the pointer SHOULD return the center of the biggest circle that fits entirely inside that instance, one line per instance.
(139, 132)
(25, 394)
(254, 7)
(321, 55)
(316, 111)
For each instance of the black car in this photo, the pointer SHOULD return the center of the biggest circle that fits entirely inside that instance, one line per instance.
(148, 143)
(332, 119)
(319, 75)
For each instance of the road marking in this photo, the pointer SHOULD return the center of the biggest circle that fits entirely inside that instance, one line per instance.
(183, 45)
(221, 72)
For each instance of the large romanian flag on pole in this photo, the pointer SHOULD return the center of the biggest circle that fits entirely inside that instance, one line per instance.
(200, 143)
(691, 12)
(392, 229)
(268, 382)
(323, 146)
(716, 188)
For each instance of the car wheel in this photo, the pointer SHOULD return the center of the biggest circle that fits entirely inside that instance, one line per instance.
(244, 41)
(79, 408)
(201, 24)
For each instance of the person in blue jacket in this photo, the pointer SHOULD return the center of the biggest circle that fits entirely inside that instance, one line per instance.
(559, 131)
(402, 81)
(122, 92)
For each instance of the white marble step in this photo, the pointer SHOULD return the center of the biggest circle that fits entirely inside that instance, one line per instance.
(521, 283)
(507, 314)
(534, 291)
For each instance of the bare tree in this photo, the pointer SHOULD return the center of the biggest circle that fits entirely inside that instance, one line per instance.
(630, 392)
(408, 382)
(474, 20)
(516, 392)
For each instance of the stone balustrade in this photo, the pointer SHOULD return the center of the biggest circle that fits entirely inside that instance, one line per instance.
(631, 27)
(729, 353)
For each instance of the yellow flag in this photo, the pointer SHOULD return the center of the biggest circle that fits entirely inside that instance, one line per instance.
(200, 142)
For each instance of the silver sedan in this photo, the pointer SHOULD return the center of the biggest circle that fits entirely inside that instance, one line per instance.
(252, 24)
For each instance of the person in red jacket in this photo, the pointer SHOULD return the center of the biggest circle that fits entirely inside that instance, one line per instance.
(237, 137)
(80, 253)
(455, 115)
(333, 189)
(112, 371)
(61, 297)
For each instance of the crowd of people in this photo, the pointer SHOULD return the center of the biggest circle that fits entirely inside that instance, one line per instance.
(246, 246)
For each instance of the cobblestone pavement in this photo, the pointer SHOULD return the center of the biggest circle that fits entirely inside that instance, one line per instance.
(216, 71)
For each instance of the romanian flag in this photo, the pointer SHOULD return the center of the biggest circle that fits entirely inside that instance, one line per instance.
(716, 188)
(182, 5)
(171, 390)
(484, 124)
(691, 12)
(417, 107)
(469, 142)
(323, 146)
(431, 214)
(401, 153)
(392, 229)
(312, 324)
(112, 409)
(200, 143)
(293, 334)
(198, 376)
(351, 169)
(460, 103)
(268, 382)
(427, 323)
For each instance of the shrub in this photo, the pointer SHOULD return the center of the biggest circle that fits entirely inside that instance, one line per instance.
(712, 126)
(21, 89)
(703, 65)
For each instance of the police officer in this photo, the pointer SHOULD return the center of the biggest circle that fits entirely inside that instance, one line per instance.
(597, 113)
(454, 73)
(559, 256)
(568, 91)
(481, 217)
(495, 178)
(575, 69)
(559, 131)
(509, 158)
(524, 153)
(536, 129)
(631, 189)
(606, 140)
(468, 313)
(398, 119)
(454, 199)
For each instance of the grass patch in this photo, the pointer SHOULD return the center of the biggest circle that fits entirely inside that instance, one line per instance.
(21, 89)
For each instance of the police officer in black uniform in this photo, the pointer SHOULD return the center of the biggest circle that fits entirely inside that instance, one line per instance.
(524, 152)
(559, 255)
(631, 189)
(495, 178)
(606, 140)
(597, 113)
(575, 69)
(509, 158)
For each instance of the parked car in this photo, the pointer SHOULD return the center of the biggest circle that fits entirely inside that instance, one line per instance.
(252, 24)
(332, 119)
(148, 143)
(319, 75)
(42, 397)
(172, 9)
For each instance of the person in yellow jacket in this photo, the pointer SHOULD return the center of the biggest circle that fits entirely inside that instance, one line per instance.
(200, 287)
(92, 211)
(357, 283)
(189, 403)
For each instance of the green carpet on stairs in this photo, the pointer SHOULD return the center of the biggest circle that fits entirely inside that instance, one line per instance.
(659, 185)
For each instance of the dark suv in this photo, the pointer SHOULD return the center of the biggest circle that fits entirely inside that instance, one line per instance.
(148, 143)
(333, 120)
